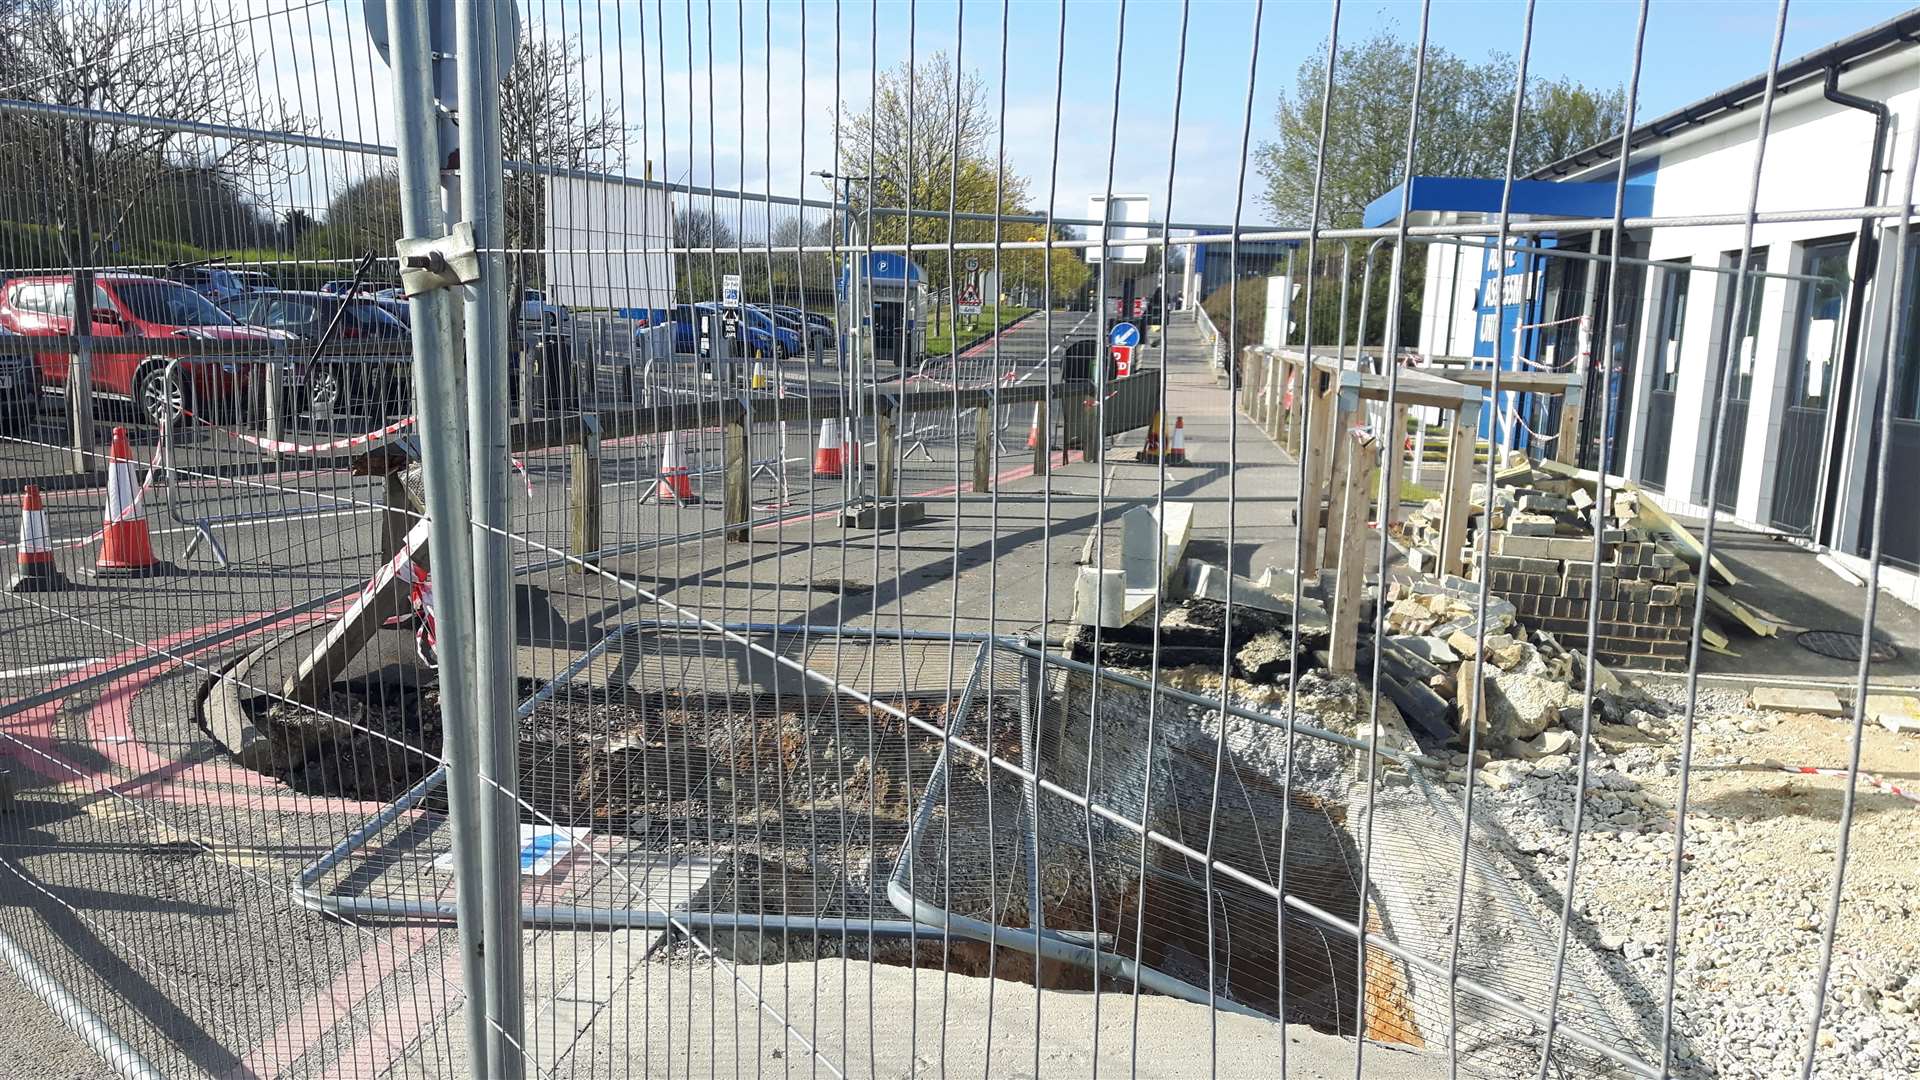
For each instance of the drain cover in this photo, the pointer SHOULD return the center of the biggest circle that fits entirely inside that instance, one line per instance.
(1844, 645)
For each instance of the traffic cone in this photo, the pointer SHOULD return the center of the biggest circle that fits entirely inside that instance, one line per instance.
(675, 482)
(1177, 447)
(34, 570)
(829, 458)
(1033, 432)
(126, 548)
(759, 376)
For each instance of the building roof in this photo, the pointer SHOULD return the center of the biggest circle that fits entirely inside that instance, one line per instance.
(1848, 52)
(1482, 195)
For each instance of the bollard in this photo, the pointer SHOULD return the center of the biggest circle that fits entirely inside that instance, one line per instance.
(736, 478)
(983, 448)
(583, 495)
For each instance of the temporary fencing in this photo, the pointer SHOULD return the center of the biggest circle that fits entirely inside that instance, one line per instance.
(600, 640)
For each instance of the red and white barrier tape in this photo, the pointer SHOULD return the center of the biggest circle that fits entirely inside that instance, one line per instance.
(281, 446)
(1867, 778)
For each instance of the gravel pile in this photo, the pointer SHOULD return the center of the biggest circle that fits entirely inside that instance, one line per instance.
(1759, 867)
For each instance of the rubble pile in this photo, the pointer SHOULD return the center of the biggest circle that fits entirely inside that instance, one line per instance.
(1536, 548)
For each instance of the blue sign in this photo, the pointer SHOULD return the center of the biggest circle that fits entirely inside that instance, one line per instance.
(1124, 334)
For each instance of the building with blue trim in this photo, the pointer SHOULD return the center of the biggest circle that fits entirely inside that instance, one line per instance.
(1801, 347)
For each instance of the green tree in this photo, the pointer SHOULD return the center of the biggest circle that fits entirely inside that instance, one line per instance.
(1465, 116)
(931, 158)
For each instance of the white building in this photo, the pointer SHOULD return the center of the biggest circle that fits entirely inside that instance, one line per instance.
(1801, 429)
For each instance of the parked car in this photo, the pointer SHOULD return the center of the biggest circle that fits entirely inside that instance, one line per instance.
(19, 383)
(137, 306)
(399, 309)
(534, 308)
(337, 287)
(215, 283)
(306, 315)
(819, 333)
(777, 338)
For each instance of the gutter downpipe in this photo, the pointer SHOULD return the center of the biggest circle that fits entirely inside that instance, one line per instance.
(1866, 259)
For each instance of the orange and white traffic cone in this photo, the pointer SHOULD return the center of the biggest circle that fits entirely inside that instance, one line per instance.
(126, 548)
(1033, 431)
(675, 482)
(829, 457)
(1177, 446)
(34, 570)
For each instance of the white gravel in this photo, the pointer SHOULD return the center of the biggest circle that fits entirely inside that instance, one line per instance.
(1759, 867)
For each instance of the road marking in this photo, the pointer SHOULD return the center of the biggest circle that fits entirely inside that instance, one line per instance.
(57, 668)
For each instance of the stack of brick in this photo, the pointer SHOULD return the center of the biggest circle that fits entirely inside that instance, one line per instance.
(1537, 548)
(1642, 603)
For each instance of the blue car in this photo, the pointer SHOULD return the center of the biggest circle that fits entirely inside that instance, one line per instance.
(762, 335)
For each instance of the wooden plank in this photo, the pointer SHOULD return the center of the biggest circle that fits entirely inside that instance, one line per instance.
(584, 495)
(1740, 613)
(1457, 502)
(1526, 382)
(736, 479)
(982, 448)
(1679, 540)
(1414, 387)
(1572, 411)
(886, 425)
(1363, 456)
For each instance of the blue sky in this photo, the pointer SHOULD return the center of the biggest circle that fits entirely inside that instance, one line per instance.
(1693, 49)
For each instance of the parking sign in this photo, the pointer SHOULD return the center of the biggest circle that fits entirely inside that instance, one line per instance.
(730, 291)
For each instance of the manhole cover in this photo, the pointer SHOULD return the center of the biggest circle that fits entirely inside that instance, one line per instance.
(1843, 645)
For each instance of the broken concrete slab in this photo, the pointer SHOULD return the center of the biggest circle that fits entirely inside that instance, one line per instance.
(1428, 648)
(1153, 543)
(1797, 699)
(1205, 581)
(1099, 597)
(1895, 712)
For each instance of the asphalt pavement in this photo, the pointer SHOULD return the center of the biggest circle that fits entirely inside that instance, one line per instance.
(156, 874)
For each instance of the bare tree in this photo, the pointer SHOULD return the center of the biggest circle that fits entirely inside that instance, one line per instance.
(932, 153)
(85, 179)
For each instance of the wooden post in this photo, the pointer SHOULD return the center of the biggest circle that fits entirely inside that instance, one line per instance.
(583, 496)
(1457, 503)
(1566, 449)
(1319, 433)
(1363, 456)
(1255, 398)
(886, 429)
(1393, 452)
(1277, 407)
(736, 498)
(983, 448)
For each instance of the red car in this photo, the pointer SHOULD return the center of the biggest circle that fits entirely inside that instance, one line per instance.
(135, 306)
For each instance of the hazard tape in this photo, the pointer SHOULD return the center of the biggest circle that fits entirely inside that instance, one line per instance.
(1867, 778)
(281, 446)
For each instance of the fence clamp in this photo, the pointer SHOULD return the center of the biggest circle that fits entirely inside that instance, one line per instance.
(439, 263)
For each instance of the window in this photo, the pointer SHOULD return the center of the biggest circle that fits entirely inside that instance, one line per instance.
(1746, 348)
(1906, 369)
(1672, 326)
(169, 304)
(1817, 325)
(288, 313)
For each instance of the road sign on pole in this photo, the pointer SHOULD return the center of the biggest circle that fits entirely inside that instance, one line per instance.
(1124, 334)
(967, 299)
(730, 291)
(1122, 359)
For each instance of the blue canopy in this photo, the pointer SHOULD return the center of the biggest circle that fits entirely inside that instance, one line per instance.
(1537, 198)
